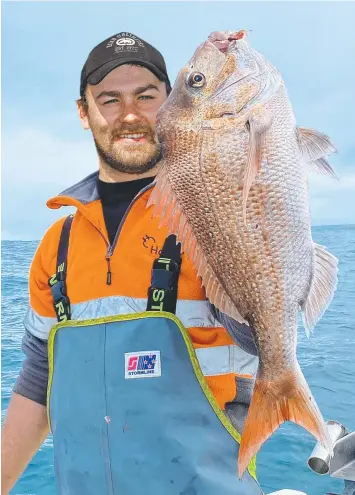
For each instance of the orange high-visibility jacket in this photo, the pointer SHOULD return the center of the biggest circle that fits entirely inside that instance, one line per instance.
(138, 244)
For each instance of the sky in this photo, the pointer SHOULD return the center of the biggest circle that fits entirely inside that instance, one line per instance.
(45, 44)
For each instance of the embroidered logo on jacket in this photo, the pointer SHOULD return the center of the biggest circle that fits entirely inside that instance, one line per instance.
(150, 243)
(145, 364)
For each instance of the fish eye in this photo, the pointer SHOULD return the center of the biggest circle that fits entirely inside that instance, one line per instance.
(196, 80)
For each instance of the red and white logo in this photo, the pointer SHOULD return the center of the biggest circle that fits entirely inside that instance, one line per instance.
(144, 364)
(132, 363)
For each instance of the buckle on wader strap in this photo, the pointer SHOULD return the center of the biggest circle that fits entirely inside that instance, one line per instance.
(57, 283)
(162, 293)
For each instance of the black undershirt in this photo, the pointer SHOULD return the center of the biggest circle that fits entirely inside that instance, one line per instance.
(116, 198)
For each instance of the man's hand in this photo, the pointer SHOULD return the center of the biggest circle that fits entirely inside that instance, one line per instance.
(25, 428)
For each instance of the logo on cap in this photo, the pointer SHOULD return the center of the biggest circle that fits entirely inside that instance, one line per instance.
(125, 42)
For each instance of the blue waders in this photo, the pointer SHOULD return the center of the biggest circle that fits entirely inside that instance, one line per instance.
(130, 410)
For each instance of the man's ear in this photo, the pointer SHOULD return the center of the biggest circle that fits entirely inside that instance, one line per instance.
(83, 113)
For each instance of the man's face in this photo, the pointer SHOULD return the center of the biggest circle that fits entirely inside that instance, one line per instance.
(121, 113)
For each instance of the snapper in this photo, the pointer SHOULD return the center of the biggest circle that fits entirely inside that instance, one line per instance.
(233, 188)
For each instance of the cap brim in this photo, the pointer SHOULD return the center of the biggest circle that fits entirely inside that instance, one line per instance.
(100, 73)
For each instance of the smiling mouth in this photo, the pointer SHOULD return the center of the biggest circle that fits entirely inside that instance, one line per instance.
(131, 137)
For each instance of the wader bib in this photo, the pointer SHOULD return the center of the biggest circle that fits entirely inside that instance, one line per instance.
(129, 407)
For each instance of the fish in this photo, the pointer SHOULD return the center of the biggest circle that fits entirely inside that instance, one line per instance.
(233, 187)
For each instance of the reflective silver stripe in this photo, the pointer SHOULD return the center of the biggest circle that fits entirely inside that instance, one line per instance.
(191, 313)
(226, 359)
(38, 325)
(213, 360)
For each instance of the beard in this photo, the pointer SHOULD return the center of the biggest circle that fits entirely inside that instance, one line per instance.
(129, 159)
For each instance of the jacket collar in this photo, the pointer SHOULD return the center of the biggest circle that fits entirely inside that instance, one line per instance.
(83, 192)
(85, 197)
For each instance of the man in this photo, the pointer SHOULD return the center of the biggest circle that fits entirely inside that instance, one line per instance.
(129, 405)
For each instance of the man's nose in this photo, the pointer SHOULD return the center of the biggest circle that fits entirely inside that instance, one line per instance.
(130, 114)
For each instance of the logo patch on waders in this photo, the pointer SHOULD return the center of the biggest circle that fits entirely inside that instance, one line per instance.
(144, 364)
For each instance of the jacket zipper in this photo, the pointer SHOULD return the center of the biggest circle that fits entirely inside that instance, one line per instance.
(110, 248)
(109, 273)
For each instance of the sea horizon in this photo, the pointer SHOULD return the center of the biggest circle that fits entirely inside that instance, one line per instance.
(312, 227)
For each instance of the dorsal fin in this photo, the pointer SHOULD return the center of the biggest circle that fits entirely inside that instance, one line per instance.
(315, 146)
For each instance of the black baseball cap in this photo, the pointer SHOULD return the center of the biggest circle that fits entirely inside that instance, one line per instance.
(122, 48)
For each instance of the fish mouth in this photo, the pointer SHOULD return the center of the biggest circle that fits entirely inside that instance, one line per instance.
(270, 78)
(225, 42)
(222, 40)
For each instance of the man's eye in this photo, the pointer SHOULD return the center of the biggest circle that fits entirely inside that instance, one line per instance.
(146, 97)
(114, 100)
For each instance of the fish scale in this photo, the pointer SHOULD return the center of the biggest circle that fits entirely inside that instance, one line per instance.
(233, 188)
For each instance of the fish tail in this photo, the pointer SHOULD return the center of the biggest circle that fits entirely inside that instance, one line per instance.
(273, 402)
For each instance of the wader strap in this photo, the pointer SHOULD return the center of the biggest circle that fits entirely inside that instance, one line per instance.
(57, 281)
(162, 293)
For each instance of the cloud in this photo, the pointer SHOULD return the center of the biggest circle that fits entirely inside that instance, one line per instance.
(38, 165)
(323, 185)
(38, 158)
(332, 201)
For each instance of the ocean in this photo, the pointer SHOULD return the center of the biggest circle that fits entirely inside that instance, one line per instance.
(327, 360)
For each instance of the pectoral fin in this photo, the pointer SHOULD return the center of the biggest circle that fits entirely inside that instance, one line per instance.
(258, 125)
